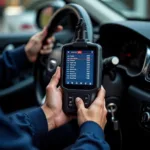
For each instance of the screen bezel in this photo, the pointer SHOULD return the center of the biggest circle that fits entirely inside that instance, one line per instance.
(85, 87)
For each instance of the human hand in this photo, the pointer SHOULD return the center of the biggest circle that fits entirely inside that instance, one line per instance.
(35, 44)
(53, 104)
(96, 112)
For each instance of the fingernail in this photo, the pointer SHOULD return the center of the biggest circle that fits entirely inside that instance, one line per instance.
(57, 68)
(45, 47)
(49, 40)
(77, 99)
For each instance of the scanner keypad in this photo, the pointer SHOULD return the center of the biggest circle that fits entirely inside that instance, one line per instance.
(71, 100)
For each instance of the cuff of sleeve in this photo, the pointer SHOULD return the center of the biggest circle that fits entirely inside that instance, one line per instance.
(92, 127)
(38, 122)
(21, 58)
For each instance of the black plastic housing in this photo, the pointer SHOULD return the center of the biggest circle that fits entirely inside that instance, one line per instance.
(90, 92)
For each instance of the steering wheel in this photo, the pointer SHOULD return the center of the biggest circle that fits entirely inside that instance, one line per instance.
(46, 65)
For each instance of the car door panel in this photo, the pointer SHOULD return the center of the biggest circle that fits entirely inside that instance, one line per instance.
(15, 39)
(22, 87)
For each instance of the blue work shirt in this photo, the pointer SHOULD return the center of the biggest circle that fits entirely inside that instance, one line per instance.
(24, 131)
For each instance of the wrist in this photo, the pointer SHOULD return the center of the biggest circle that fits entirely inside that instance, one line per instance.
(49, 117)
(29, 55)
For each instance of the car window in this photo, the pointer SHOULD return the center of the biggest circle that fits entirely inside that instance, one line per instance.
(132, 9)
(16, 18)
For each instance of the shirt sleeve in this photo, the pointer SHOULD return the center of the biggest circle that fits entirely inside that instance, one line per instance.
(23, 130)
(11, 63)
(91, 137)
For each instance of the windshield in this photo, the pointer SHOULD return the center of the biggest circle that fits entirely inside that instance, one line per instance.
(131, 9)
(18, 16)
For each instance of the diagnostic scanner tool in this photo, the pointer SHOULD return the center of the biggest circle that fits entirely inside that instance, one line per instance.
(81, 71)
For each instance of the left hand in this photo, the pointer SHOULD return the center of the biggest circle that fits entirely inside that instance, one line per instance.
(53, 104)
(34, 46)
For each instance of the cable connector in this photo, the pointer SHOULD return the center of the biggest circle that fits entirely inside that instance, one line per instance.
(81, 33)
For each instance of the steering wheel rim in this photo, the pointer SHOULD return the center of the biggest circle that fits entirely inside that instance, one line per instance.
(55, 57)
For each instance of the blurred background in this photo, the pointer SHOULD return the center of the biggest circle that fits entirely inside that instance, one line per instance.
(15, 16)
(132, 9)
(18, 16)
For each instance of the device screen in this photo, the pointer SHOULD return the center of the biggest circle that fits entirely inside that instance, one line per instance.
(79, 68)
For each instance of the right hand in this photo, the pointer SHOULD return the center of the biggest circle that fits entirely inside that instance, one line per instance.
(53, 104)
(96, 112)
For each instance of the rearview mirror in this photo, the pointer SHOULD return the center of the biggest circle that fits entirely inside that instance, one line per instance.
(45, 13)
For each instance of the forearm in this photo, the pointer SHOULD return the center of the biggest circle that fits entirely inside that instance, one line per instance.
(11, 63)
(91, 137)
(15, 133)
(32, 123)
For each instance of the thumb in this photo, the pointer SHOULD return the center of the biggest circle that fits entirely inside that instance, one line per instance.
(43, 33)
(55, 79)
(79, 103)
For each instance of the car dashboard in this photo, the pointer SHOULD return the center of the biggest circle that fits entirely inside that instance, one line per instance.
(131, 46)
(130, 42)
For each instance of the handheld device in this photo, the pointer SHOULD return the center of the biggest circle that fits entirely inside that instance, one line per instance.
(81, 70)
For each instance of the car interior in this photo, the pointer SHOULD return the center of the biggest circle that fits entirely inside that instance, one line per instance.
(127, 84)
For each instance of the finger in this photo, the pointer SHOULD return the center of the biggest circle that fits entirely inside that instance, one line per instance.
(60, 89)
(59, 28)
(55, 79)
(47, 47)
(101, 93)
(79, 103)
(105, 111)
(100, 99)
(51, 40)
(44, 52)
(104, 103)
